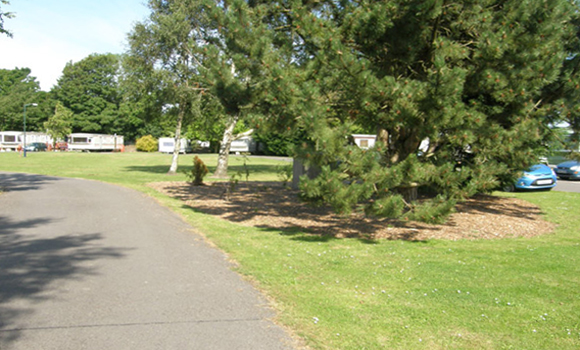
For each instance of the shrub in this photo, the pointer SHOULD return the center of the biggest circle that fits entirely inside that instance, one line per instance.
(285, 173)
(198, 172)
(147, 143)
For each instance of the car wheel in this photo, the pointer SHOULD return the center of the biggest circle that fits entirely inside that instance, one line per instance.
(509, 188)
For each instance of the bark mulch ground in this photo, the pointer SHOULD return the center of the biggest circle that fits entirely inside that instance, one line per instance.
(272, 205)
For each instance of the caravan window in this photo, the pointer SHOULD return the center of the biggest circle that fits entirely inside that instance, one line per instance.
(9, 138)
(80, 140)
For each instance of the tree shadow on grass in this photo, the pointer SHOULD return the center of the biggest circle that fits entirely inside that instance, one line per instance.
(302, 235)
(236, 166)
(152, 169)
(31, 265)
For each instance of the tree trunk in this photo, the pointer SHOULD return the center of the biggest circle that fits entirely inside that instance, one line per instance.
(173, 168)
(221, 171)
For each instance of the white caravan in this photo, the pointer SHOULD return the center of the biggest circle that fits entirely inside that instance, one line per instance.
(95, 142)
(167, 145)
(245, 144)
(10, 140)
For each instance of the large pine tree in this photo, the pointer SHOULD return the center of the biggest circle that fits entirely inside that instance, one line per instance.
(460, 95)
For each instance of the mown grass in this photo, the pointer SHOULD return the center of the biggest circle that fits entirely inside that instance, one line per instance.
(360, 294)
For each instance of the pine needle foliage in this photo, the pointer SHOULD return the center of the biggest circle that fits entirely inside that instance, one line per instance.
(460, 95)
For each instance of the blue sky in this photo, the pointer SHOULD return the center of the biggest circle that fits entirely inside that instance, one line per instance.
(50, 33)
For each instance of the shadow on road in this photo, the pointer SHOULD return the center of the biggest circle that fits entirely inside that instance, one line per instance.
(23, 182)
(31, 265)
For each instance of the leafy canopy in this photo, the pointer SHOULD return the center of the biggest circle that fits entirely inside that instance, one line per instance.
(17, 88)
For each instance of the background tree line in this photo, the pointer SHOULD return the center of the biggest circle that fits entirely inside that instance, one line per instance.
(101, 99)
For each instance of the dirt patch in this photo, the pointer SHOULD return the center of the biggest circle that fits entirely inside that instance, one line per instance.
(271, 205)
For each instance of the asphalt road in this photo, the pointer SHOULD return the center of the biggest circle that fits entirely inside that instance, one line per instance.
(87, 265)
(567, 186)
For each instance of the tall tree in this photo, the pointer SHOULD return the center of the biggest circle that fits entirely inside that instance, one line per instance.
(90, 89)
(18, 87)
(187, 48)
(165, 57)
(563, 95)
(454, 90)
(60, 124)
(240, 49)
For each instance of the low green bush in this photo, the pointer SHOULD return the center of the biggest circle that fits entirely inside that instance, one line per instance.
(147, 143)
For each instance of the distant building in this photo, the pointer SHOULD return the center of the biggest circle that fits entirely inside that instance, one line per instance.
(365, 141)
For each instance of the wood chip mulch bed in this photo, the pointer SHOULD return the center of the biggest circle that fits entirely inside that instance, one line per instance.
(272, 205)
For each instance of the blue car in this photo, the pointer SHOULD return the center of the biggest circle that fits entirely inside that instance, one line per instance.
(569, 170)
(537, 177)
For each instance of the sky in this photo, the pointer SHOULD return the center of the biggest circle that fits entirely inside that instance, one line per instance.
(49, 33)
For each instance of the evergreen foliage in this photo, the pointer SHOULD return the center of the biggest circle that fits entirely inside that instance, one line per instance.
(277, 143)
(459, 93)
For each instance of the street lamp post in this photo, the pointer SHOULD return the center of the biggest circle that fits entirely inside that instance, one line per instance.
(24, 135)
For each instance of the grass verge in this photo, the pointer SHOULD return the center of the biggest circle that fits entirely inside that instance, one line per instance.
(360, 294)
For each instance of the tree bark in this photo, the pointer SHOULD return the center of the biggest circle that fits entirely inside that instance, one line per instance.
(181, 114)
(221, 170)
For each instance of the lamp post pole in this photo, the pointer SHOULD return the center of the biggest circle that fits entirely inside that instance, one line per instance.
(24, 135)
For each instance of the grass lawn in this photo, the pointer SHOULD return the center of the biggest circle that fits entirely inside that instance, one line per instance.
(360, 294)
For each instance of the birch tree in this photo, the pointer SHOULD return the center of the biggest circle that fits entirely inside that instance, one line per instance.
(165, 57)
(237, 55)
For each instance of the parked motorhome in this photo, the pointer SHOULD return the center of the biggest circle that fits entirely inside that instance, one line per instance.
(167, 145)
(11, 140)
(243, 145)
(95, 142)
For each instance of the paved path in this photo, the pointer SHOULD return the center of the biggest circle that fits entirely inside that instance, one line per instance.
(87, 265)
(567, 186)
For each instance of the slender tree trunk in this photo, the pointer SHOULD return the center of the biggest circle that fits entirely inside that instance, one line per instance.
(173, 168)
(222, 166)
